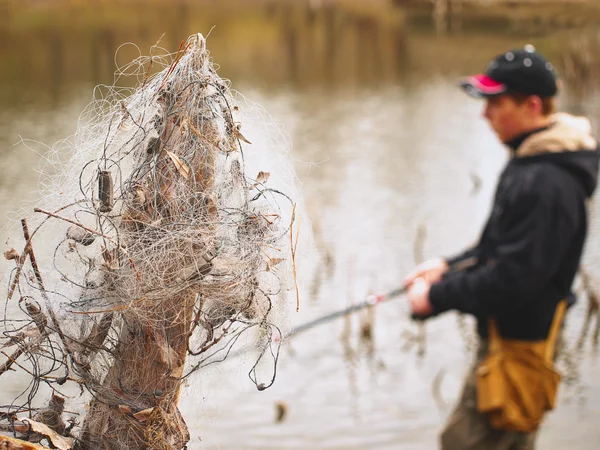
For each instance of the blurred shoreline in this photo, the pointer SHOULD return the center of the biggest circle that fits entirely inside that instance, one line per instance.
(50, 44)
(512, 15)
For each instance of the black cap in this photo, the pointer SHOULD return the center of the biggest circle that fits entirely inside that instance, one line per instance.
(522, 71)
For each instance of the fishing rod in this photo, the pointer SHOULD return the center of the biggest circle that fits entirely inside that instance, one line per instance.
(371, 300)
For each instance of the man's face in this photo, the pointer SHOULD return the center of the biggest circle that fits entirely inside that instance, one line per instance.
(507, 118)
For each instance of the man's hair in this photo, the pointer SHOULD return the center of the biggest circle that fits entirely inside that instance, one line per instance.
(548, 103)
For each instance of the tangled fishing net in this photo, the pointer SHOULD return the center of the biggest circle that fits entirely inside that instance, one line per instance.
(163, 252)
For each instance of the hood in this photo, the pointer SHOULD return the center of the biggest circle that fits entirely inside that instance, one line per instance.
(566, 134)
(569, 143)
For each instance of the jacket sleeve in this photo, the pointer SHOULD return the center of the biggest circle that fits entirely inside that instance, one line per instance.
(531, 241)
(468, 254)
(474, 253)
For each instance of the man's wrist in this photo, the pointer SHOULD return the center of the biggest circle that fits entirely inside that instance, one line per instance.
(437, 298)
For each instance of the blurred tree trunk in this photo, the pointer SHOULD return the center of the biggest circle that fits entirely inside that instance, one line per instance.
(146, 378)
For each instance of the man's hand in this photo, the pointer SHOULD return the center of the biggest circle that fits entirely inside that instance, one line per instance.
(418, 297)
(430, 271)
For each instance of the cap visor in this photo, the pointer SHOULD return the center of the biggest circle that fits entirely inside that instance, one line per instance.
(481, 85)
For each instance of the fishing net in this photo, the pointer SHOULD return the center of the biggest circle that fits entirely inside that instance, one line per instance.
(160, 252)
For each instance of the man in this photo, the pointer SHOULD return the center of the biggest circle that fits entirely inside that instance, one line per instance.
(529, 251)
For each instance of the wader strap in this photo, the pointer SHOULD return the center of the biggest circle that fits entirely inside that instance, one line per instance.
(554, 328)
(493, 336)
(495, 341)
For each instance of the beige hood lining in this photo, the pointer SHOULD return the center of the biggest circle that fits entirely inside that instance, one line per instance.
(567, 134)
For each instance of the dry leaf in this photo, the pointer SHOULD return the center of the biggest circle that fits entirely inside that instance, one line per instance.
(60, 442)
(280, 411)
(80, 235)
(11, 254)
(238, 134)
(124, 409)
(15, 427)
(17, 444)
(263, 177)
(181, 167)
(140, 196)
(110, 258)
(273, 262)
(143, 415)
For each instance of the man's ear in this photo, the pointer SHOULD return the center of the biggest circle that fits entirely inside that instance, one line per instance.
(534, 105)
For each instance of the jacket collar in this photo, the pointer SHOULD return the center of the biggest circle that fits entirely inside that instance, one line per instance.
(566, 134)
(515, 143)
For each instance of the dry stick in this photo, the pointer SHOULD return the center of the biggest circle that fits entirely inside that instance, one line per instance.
(38, 277)
(17, 353)
(20, 264)
(40, 322)
(176, 60)
(596, 329)
(111, 310)
(436, 390)
(33, 310)
(593, 307)
(23, 256)
(293, 251)
(295, 271)
(14, 361)
(151, 60)
(419, 244)
(419, 257)
(56, 216)
(99, 333)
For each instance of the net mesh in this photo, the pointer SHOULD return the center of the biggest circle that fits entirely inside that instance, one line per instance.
(159, 252)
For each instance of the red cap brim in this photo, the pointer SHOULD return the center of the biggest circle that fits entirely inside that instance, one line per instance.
(482, 86)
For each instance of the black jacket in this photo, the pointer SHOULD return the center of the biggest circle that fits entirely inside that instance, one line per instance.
(530, 249)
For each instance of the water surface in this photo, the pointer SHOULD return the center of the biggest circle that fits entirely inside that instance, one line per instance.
(384, 145)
